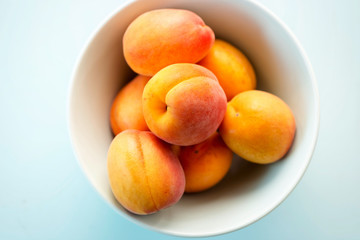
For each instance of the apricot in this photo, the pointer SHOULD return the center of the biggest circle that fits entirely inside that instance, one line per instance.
(258, 126)
(205, 164)
(145, 175)
(126, 110)
(162, 37)
(183, 104)
(231, 67)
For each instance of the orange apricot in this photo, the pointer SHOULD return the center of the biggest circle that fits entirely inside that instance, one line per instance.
(231, 67)
(162, 37)
(205, 164)
(145, 175)
(126, 110)
(258, 126)
(183, 104)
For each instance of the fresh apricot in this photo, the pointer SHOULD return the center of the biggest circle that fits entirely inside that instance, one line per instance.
(162, 37)
(145, 175)
(126, 110)
(258, 126)
(231, 67)
(205, 164)
(183, 104)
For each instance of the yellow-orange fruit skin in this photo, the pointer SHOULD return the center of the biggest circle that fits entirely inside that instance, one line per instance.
(205, 164)
(162, 37)
(183, 104)
(126, 110)
(231, 67)
(258, 126)
(145, 175)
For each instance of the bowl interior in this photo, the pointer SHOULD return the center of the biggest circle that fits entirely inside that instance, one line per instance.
(249, 191)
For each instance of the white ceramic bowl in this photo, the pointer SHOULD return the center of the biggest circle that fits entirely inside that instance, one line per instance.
(249, 191)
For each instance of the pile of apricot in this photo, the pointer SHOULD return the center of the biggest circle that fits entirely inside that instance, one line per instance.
(192, 106)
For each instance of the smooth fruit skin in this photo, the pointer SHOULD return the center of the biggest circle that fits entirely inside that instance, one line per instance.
(126, 110)
(183, 104)
(258, 126)
(231, 67)
(205, 164)
(162, 37)
(145, 175)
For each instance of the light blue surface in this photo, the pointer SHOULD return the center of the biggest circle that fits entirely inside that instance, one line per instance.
(45, 195)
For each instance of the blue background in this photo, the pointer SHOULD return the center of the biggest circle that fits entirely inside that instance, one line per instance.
(44, 193)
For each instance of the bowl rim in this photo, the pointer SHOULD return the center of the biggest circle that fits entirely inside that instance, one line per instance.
(308, 156)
